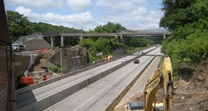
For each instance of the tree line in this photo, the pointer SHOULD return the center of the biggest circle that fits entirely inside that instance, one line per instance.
(188, 22)
(20, 25)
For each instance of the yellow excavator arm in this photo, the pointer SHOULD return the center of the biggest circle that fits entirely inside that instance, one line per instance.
(162, 79)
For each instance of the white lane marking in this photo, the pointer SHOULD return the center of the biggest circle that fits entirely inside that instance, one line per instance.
(103, 90)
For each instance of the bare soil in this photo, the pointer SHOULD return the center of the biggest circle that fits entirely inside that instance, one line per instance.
(192, 94)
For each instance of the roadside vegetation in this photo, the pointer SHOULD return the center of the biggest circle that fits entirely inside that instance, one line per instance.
(111, 46)
(188, 44)
(56, 69)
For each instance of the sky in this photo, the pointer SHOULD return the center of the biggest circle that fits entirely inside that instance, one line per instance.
(88, 14)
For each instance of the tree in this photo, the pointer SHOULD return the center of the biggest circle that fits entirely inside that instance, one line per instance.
(175, 13)
(104, 45)
(19, 25)
(181, 12)
(188, 21)
(45, 27)
(110, 28)
(138, 42)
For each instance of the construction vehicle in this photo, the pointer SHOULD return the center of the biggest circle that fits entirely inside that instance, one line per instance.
(26, 81)
(162, 79)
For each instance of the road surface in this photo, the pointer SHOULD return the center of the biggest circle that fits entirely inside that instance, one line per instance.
(99, 95)
(138, 87)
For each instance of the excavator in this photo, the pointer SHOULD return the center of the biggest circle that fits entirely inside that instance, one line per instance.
(162, 79)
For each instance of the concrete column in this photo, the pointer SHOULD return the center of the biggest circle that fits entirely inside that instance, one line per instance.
(117, 39)
(52, 42)
(62, 41)
(61, 60)
(164, 36)
(81, 37)
(121, 37)
(64, 61)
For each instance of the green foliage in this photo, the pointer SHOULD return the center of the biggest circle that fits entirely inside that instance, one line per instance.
(104, 45)
(108, 46)
(58, 65)
(56, 69)
(48, 28)
(187, 46)
(188, 42)
(130, 50)
(50, 68)
(18, 25)
(110, 28)
(138, 42)
(178, 13)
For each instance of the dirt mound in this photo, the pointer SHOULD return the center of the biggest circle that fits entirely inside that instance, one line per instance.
(42, 60)
(192, 95)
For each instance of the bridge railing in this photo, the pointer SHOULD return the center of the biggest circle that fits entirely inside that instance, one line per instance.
(28, 37)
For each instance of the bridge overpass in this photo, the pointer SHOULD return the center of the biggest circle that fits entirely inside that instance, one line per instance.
(119, 36)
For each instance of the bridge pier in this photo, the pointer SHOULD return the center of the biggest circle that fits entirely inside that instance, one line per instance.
(52, 41)
(121, 37)
(117, 38)
(81, 37)
(62, 41)
(164, 36)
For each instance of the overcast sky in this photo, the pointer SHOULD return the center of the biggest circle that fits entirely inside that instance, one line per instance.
(132, 14)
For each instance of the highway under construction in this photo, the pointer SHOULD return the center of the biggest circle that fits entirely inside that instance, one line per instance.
(100, 87)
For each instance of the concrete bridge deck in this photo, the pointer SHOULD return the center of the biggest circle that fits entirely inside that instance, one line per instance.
(138, 33)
